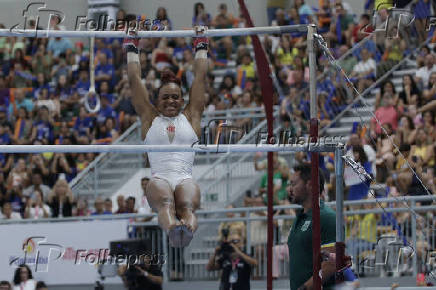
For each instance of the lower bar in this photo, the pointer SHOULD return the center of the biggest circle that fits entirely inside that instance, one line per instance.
(166, 148)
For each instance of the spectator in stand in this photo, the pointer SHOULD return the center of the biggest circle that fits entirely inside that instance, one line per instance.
(121, 205)
(130, 205)
(305, 11)
(406, 132)
(387, 88)
(162, 16)
(246, 71)
(123, 105)
(36, 208)
(223, 20)
(364, 71)
(280, 18)
(285, 53)
(105, 132)
(83, 127)
(23, 278)
(59, 45)
(410, 93)
(20, 77)
(179, 50)
(161, 58)
(81, 208)
(107, 206)
(385, 157)
(422, 75)
(430, 92)
(105, 91)
(201, 17)
(22, 128)
(422, 11)
(62, 133)
(43, 127)
(47, 98)
(99, 206)
(422, 149)
(16, 198)
(8, 214)
(103, 48)
(363, 29)
(5, 138)
(37, 182)
(42, 63)
(82, 85)
(5, 285)
(64, 165)
(280, 179)
(272, 7)
(104, 71)
(360, 190)
(81, 162)
(61, 199)
(19, 175)
(19, 101)
(106, 111)
(3, 190)
(41, 286)
(386, 114)
(4, 91)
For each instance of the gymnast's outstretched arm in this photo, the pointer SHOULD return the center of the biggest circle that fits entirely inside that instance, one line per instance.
(197, 98)
(140, 97)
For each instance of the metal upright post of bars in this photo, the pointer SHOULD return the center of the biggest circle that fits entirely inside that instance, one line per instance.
(340, 234)
(414, 258)
(316, 227)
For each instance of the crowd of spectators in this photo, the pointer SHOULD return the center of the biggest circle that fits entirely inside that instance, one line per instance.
(43, 83)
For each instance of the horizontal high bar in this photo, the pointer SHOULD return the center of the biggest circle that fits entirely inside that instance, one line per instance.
(312, 147)
(147, 34)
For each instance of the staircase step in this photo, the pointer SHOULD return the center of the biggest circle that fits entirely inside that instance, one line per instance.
(351, 120)
(362, 110)
(341, 131)
(197, 262)
(401, 73)
(91, 192)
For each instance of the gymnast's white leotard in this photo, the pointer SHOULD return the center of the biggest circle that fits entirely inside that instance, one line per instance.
(174, 167)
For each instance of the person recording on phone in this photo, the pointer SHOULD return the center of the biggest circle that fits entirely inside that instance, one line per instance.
(235, 264)
(144, 275)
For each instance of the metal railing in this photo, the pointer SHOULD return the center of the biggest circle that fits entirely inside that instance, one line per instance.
(218, 176)
(88, 179)
(387, 254)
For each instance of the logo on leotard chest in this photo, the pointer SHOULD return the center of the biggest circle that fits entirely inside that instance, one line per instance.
(171, 131)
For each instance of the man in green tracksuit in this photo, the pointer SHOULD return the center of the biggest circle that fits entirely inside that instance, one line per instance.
(300, 236)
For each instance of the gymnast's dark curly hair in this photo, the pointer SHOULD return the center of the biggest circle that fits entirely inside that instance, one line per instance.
(167, 77)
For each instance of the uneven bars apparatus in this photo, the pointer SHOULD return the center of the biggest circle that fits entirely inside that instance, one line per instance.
(310, 29)
(153, 34)
(314, 158)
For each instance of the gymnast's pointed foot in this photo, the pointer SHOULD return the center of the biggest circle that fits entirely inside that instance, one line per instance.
(180, 236)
